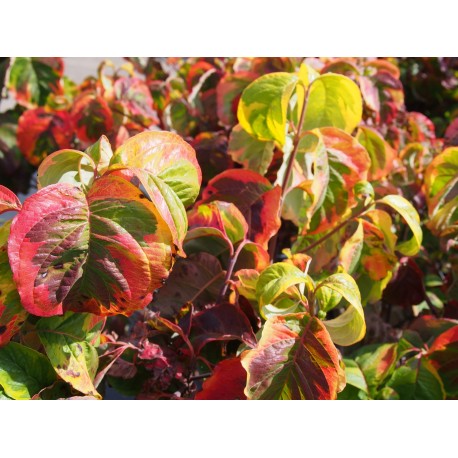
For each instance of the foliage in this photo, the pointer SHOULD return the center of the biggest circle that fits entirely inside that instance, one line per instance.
(220, 228)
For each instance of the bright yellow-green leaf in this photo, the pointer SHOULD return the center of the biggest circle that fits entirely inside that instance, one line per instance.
(263, 106)
(333, 101)
(350, 327)
(410, 215)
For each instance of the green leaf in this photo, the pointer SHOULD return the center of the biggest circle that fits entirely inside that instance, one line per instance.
(263, 106)
(295, 359)
(417, 380)
(275, 280)
(68, 341)
(66, 166)
(410, 215)
(23, 371)
(355, 376)
(32, 79)
(12, 314)
(350, 327)
(333, 101)
(247, 150)
(351, 250)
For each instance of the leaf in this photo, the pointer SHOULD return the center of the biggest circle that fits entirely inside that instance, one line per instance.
(68, 341)
(104, 252)
(224, 216)
(332, 163)
(417, 380)
(12, 314)
(66, 166)
(350, 327)
(32, 79)
(221, 322)
(410, 215)
(8, 200)
(41, 133)
(355, 376)
(197, 279)
(101, 153)
(333, 101)
(441, 183)
(247, 150)
(92, 117)
(295, 359)
(226, 383)
(443, 355)
(275, 280)
(23, 371)
(381, 154)
(263, 106)
(254, 196)
(228, 93)
(169, 172)
(351, 250)
(377, 363)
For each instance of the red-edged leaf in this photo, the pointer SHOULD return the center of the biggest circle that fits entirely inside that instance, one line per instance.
(443, 354)
(221, 322)
(228, 94)
(295, 359)
(41, 133)
(8, 200)
(255, 197)
(92, 117)
(226, 383)
(104, 252)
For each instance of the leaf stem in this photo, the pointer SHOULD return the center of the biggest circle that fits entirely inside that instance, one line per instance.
(230, 269)
(289, 168)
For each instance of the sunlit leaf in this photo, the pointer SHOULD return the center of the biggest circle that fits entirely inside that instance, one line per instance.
(8, 200)
(410, 215)
(350, 327)
(103, 253)
(295, 359)
(247, 150)
(68, 342)
(227, 382)
(23, 371)
(263, 106)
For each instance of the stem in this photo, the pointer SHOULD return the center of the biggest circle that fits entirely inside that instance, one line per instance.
(289, 168)
(230, 269)
(337, 228)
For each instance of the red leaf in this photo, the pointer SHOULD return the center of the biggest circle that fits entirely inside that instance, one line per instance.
(8, 200)
(221, 322)
(41, 133)
(226, 383)
(255, 197)
(92, 117)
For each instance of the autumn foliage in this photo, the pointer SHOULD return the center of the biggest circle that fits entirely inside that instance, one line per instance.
(229, 228)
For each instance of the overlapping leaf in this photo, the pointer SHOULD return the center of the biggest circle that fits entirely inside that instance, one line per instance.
(295, 359)
(166, 166)
(68, 342)
(41, 133)
(8, 200)
(254, 196)
(104, 253)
